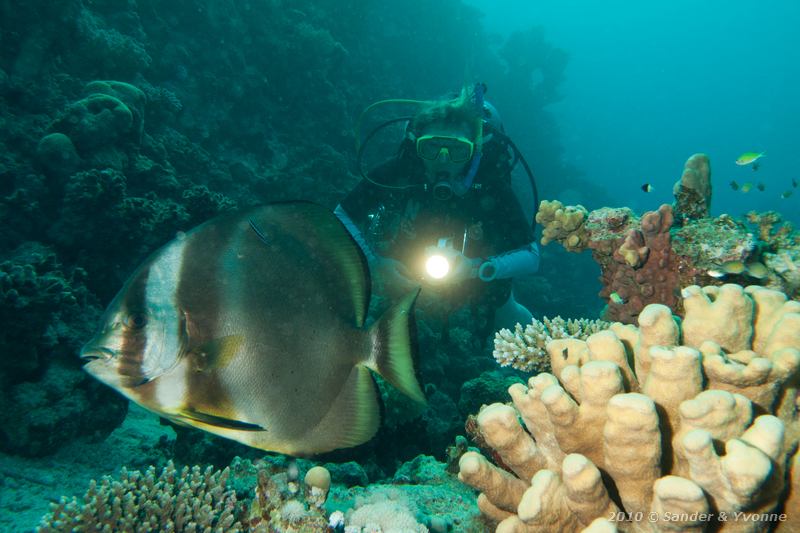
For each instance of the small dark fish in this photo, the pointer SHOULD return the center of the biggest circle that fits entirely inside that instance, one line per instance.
(647, 187)
(786, 194)
(761, 187)
(756, 166)
(734, 186)
(794, 183)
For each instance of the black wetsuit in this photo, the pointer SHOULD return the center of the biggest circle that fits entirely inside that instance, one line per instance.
(402, 223)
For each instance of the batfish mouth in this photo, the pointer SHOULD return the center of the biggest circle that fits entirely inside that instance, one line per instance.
(93, 353)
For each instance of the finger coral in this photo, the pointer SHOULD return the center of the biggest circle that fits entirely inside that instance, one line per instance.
(686, 425)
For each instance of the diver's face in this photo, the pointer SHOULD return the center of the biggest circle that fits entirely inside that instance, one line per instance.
(443, 167)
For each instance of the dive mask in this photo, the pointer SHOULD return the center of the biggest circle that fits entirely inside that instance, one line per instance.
(459, 149)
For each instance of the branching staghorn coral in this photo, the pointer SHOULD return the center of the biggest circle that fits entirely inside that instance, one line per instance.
(187, 500)
(199, 500)
(667, 426)
(525, 349)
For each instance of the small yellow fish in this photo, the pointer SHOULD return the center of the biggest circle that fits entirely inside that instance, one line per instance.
(616, 298)
(757, 270)
(749, 157)
(746, 187)
(761, 187)
(786, 194)
(732, 267)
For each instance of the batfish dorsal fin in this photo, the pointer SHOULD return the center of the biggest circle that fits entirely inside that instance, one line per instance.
(394, 347)
(329, 242)
(353, 418)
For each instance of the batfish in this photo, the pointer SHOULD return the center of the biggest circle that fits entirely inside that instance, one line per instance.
(252, 327)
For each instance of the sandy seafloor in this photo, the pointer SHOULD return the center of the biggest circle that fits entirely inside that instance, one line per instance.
(27, 486)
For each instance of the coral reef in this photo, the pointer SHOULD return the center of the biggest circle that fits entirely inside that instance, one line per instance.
(526, 349)
(780, 244)
(647, 260)
(46, 312)
(690, 425)
(268, 495)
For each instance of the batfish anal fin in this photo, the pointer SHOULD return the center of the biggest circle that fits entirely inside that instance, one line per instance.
(394, 346)
(217, 421)
(352, 419)
(217, 353)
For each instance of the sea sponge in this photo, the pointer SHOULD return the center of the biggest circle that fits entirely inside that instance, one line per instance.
(693, 191)
(629, 429)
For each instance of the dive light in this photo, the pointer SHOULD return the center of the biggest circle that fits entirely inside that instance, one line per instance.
(439, 259)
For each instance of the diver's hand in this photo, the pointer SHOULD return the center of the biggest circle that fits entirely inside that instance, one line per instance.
(464, 268)
(392, 272)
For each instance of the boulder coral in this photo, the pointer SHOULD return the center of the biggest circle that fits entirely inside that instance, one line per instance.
(686, 425)
(111, 115)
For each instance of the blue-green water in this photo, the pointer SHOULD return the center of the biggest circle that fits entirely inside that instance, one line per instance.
(648, 84)
(124, 125)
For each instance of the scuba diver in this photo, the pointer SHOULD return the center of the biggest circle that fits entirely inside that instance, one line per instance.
(442, 212)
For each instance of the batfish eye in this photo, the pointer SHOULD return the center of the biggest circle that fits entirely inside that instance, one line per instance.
(136, 320)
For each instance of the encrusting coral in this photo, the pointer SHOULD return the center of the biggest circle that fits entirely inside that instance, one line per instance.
(526, 349)
(673, 425)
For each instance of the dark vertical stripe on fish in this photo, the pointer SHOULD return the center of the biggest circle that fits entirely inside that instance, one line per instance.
(134, 340)
(202, 286)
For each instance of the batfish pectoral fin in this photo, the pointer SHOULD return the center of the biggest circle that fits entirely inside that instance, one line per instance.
(217, 353)
(394, 347)
(217, 421)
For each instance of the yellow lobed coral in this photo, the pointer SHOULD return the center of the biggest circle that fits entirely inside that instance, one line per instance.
(564, 224)
(670, 425)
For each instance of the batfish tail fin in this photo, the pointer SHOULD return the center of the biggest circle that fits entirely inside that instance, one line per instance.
(394, 347)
